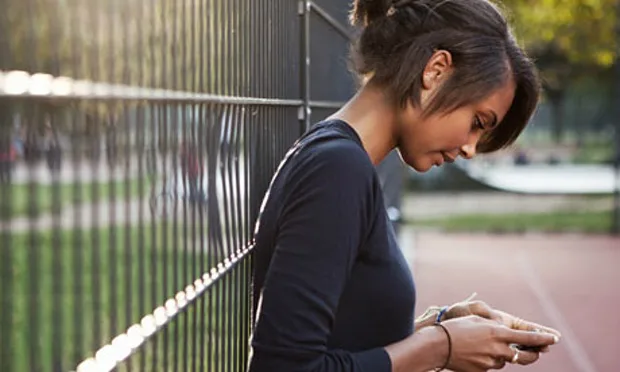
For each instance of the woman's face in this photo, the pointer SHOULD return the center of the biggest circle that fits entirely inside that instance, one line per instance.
(442, 137)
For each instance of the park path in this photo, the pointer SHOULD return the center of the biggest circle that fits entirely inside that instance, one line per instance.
(439, 205)
(87, 216)
(83, 171)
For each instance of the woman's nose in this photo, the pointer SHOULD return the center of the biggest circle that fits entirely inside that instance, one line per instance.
(468, 151)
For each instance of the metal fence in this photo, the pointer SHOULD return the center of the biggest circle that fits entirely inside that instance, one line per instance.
(137, 139)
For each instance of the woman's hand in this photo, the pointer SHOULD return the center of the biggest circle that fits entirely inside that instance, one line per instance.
(480, 344)
(480, 308)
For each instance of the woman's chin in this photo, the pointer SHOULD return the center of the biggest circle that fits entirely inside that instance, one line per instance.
(420, 164)
(420, 167)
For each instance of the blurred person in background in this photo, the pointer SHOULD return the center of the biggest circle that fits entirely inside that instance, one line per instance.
(520, 157)
(333, 291)
(53, 151)
(7, 159)
(191, 169)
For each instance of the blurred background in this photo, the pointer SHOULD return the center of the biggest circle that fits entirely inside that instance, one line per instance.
(560, 175)
(137, 139)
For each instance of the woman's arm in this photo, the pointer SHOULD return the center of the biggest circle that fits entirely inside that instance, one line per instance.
(424, 351)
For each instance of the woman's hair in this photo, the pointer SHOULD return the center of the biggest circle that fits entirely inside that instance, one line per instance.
(400, 36)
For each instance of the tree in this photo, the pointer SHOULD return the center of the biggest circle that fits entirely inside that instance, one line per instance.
(567, 38)
(170, 44)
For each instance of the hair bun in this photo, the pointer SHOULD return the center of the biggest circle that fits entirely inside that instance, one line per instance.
(367, 11)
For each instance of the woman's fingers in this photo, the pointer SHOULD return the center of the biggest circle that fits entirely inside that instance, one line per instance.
(531, 326)
(523, 357)
(526, 338)
(545, 349)
(524, 325)
(481, 308)
(499, 363)
(511, 354)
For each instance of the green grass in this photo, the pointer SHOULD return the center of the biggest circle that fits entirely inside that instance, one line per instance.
(66, 293)
(594, 153)
(566, 221)
(32, 200)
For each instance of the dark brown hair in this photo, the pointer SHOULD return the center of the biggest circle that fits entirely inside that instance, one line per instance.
(400, 36)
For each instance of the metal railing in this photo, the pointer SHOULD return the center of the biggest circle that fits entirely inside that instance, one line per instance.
(137, 139)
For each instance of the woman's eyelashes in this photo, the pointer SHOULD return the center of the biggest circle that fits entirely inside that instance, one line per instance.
(478, 124)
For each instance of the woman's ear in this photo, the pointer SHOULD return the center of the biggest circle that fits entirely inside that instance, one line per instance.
(437, 69)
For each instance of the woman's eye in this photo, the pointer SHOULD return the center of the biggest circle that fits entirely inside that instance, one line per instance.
(478, 123)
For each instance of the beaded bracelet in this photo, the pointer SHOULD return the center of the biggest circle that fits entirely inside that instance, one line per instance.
(441, 313)
(449, 347)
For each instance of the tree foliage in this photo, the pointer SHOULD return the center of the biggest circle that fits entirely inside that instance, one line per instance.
(581, 30)
(168, 44)
(159, 44)
(569, 40)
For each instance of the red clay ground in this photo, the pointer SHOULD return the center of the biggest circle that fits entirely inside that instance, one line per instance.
(569, 282)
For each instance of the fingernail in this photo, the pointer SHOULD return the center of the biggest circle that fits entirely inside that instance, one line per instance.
(556, 339)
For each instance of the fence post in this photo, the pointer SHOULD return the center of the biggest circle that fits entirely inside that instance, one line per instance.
(305, 112)
(616, 107)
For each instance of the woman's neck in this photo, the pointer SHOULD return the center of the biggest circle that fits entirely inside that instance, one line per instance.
(374, 118)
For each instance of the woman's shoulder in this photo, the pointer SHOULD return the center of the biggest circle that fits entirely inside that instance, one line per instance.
(333, 145)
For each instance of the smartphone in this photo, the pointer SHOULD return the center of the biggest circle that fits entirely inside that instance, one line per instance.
(535, 349)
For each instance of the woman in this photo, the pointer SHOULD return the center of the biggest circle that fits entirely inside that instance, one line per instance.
(441, 79)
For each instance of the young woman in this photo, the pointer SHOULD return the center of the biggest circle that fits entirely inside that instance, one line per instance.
(441, 79)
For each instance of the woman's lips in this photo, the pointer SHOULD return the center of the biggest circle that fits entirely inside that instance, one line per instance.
(447, 158)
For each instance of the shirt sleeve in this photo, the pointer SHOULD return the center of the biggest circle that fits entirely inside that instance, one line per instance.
(325, 218)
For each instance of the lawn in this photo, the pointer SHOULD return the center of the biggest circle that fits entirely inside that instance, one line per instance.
(65, 293)
(595, 152)
(562, 221)
(21, 200)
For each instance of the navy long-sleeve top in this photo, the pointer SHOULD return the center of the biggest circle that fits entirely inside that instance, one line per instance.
(334, 287)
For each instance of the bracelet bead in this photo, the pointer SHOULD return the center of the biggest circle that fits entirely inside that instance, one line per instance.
(441, 313)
